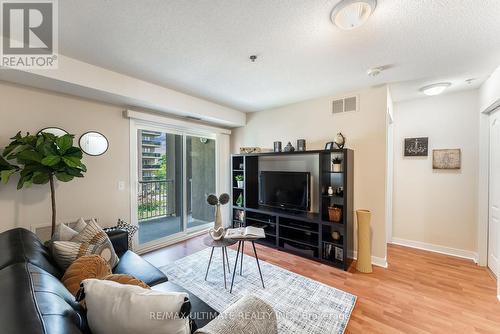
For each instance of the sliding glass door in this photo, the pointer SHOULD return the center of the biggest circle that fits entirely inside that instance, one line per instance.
(175, 171)
(200, 173)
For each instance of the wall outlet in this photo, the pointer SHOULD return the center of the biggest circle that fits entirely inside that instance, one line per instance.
(121, 185)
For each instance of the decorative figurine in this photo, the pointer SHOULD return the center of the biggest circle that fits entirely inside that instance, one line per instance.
(289, 148)
(339, 140)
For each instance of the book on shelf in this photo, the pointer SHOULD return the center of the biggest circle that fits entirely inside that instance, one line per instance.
(249, 232)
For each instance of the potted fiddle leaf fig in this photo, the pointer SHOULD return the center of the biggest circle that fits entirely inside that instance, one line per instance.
(41, 159)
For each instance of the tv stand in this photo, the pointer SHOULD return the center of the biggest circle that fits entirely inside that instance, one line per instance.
(308, 234)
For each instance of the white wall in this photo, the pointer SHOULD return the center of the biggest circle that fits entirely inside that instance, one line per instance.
(95, 195)
(437, 207)
(313, 120)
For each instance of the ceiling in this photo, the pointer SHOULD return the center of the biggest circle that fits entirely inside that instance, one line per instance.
(203, 47)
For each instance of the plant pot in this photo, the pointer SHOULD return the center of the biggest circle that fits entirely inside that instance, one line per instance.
(335, 214)
(240, 184)
(337, 167)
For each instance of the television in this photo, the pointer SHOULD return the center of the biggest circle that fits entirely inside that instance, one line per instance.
(287, 190)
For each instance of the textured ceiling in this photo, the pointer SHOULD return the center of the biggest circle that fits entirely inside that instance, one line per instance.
(202, 47)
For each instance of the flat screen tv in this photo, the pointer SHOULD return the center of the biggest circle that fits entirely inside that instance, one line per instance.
(287, 190)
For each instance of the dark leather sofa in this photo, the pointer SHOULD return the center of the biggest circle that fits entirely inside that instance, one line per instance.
(33, 300)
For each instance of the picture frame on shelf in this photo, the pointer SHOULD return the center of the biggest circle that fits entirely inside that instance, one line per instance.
(329, 146)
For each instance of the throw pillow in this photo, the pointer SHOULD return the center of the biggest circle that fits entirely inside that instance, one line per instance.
(125, 279)
(128, 309)
(88, 266)
(63, 232)
(66, 252)
(95, 235)
(80, 225)
(131, 229)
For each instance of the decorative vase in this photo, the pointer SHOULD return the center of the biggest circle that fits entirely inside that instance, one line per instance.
(335, 235)
(330, 191)
(301, 145)
(240, 184)
(335, 214)
(364, 262)
(277, 146)
(217, 232)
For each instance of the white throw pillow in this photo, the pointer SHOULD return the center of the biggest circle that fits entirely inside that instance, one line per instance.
(63, 232)
(130, 309)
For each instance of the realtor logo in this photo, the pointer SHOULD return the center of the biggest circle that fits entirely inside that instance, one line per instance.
(29, 34)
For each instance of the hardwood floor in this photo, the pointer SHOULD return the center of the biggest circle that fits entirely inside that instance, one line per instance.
(420, 292)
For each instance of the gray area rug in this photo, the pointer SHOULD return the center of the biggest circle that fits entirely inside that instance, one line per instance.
(302, 305)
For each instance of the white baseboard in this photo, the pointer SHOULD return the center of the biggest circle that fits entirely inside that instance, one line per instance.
(465, 254)
(376, 261)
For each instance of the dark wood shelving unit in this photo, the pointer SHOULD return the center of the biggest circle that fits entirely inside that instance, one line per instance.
(308, 234)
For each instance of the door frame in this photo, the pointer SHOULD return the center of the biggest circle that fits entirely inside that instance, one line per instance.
(496, 270)
(484, 186)
(187, 129)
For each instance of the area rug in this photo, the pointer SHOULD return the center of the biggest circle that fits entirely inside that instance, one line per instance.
(302, 305)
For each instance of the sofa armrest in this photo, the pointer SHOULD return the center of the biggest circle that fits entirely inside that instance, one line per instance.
(249, 315)
(119, 239)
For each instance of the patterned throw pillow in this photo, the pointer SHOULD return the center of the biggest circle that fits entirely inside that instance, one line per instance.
(131, 229)
(95, 235)
(66, 252)
(91, 240)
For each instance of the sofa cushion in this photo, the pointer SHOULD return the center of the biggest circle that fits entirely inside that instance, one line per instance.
(132, 264)
(201, 312)
(20, 245)
(34, 301)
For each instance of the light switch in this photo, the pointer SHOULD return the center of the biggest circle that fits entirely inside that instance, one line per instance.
(121, 185)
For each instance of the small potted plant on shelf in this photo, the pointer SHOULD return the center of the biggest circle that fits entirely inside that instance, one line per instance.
(337, 164)
(239, 180)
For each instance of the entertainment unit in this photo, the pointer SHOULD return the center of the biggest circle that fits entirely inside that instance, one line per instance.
(315, 234)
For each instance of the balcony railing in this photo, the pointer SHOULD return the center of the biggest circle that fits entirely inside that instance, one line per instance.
(151, 142)
(151, 166)
(151, 154)
(153, 199)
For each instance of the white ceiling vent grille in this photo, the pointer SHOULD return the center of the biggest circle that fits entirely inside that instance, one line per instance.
(346, 104)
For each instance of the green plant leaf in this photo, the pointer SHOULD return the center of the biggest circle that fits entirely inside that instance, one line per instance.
(74, 152)
(40, 178)
(63, 177)
(6, 174)
(64, 143)
(39, 141)
(72, 161)
(29, 155)
(51, 160)
(76, 172)
(48, 148)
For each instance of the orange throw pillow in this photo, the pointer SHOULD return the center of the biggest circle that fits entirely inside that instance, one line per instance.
(126, 279)
(88, 266)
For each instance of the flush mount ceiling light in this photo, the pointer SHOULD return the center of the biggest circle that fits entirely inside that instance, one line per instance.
(350, 14)
(435, 89)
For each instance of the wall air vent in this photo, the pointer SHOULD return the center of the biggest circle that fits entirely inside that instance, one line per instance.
(346, 104)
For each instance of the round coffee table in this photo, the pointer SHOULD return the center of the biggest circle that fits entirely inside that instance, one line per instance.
(222, 243)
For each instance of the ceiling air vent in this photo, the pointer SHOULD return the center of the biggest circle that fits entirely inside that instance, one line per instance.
(346, 104)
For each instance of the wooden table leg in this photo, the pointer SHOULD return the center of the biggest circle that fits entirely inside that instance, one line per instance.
(209, 261)
(258, 265)
(235, 266)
